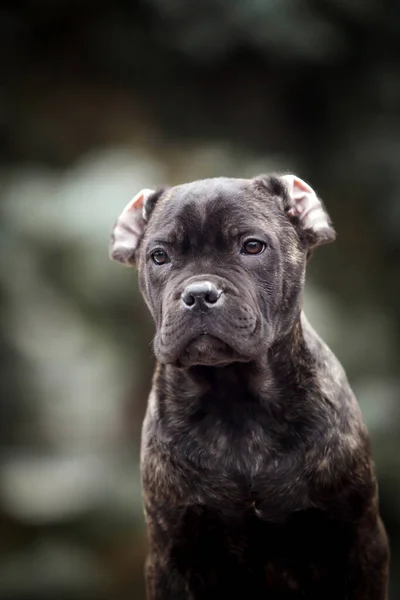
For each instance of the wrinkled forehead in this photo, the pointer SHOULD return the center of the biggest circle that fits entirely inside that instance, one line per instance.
(223, 206)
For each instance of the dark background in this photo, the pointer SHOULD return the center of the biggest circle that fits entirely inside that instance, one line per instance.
(101, 98)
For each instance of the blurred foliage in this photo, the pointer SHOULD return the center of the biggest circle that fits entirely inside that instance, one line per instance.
(99, 99)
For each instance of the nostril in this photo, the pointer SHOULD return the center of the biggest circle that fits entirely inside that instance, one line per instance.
(189, 299)
(212, 297)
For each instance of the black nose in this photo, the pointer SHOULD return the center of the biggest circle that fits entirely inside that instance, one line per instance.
(201, 295)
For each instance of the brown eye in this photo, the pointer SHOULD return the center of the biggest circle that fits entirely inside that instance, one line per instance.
(253, 247)
(159, 257)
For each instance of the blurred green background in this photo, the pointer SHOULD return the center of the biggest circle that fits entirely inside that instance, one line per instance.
(101, 98)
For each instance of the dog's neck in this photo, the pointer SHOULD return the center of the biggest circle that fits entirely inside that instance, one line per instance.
(281, 367)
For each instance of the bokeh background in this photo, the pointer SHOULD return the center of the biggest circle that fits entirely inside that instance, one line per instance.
(99, 98)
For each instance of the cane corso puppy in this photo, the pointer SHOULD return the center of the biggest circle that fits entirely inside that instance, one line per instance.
(257, 476)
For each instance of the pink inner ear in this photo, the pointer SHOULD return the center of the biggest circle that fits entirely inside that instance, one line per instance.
(306, 204)
(299, 183)
(136, 202)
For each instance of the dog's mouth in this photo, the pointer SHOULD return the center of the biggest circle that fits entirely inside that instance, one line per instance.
(209, 350)
(219, 336)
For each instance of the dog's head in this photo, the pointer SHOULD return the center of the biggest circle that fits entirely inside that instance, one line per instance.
(221, 263)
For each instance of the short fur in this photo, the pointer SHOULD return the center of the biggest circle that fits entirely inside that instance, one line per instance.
(256, 469)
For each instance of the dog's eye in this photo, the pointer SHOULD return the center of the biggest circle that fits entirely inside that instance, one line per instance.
(159, 257)
(253, 247)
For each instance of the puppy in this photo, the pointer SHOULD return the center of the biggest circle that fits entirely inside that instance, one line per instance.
(257, 476)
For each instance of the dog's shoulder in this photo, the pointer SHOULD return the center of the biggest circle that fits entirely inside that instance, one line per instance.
(330, 376)
(342, 459)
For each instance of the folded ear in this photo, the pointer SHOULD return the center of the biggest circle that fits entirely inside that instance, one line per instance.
(129, 228)
(308, 211)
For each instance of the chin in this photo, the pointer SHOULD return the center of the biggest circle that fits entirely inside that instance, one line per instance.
(207, 350)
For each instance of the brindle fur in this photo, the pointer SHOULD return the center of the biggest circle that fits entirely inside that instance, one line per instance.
(257, 475)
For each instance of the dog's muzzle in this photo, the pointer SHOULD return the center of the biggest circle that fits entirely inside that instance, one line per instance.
(209, 321)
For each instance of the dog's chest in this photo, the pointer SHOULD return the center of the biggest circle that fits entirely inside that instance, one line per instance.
(248, 557)
(259, 482)
(243, 463)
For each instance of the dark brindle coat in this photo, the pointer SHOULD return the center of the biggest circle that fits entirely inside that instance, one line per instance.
(256, 469)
